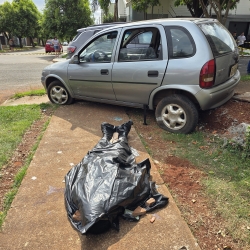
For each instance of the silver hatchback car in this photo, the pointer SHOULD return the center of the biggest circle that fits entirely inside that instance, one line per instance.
(173, 66)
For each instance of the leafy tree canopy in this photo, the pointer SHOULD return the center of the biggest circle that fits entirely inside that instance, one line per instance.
(143, 5)
(25, 16)
(104, 4)
(193, 6)
(198, 8)
(19, 18)
(6, 21)
(63, 17)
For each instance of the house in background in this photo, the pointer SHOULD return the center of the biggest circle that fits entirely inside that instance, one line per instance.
(127, 14)
(166, 9)
(238, 19)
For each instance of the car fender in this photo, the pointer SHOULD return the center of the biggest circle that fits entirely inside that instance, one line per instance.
(52, 77)
(170, 88)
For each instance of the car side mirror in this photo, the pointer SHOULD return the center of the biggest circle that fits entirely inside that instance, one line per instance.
(75, 59)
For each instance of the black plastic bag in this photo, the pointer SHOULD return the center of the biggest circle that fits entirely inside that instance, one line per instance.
(107, 181)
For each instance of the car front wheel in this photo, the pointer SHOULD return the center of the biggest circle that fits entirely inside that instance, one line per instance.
(176, 114)
(58, 94)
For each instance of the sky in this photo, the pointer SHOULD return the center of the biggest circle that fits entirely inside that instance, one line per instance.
(40, 4)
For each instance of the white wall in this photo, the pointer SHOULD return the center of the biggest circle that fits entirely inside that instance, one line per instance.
(122, 8)
(243, 8)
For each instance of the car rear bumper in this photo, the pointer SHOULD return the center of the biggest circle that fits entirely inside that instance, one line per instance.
(215, 97)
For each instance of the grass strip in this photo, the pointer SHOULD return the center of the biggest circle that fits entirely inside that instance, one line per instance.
(245, 78)
(14, 121)
(9, 197)
(37, 92)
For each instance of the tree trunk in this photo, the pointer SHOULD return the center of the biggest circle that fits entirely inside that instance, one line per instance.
(6, 35)
(116, 11)
(32, 42)
(20, 42)
(205, 12)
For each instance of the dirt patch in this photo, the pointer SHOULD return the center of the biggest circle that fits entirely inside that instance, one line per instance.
(182, 178)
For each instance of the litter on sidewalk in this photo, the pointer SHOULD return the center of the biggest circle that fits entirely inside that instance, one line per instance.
(108, 183)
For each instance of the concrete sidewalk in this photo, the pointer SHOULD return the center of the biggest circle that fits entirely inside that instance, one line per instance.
(37, 218)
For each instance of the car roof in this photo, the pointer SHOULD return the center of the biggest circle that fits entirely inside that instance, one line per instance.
(165, 21)
(102, 25)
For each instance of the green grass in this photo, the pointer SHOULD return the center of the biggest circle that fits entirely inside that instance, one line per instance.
(9, 197)
(38, 92)
(245, 78)
(14, 122)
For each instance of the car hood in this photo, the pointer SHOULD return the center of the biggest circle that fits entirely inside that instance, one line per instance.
(57, 65)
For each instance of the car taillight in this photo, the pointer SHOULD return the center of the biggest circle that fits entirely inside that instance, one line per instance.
(71, 49)
(207, 74)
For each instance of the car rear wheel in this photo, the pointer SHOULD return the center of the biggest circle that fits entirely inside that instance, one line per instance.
(58, 94)
(176, 114)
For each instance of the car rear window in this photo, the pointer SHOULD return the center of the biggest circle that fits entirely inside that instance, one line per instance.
(219, 38)
(180, 42)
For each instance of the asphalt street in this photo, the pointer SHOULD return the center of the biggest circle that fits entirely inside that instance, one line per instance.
(22, 70)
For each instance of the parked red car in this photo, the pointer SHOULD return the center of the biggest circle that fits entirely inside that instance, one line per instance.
(49, 47)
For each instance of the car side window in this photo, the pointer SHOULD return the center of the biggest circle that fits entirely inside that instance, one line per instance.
(99, 50)
(140, 44)
(180, 43)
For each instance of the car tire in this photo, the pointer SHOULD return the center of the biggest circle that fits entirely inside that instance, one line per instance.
(58, 94)
(176, 114)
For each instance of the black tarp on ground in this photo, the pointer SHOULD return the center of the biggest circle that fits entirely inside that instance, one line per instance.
(107, 181)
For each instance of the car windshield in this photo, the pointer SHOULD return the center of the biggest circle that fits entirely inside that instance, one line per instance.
(219, 38)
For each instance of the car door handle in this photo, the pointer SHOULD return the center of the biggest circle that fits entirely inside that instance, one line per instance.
(153, 73)
(104, 71)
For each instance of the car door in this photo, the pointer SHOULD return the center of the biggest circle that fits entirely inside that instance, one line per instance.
(140, 63)
(92, 76)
